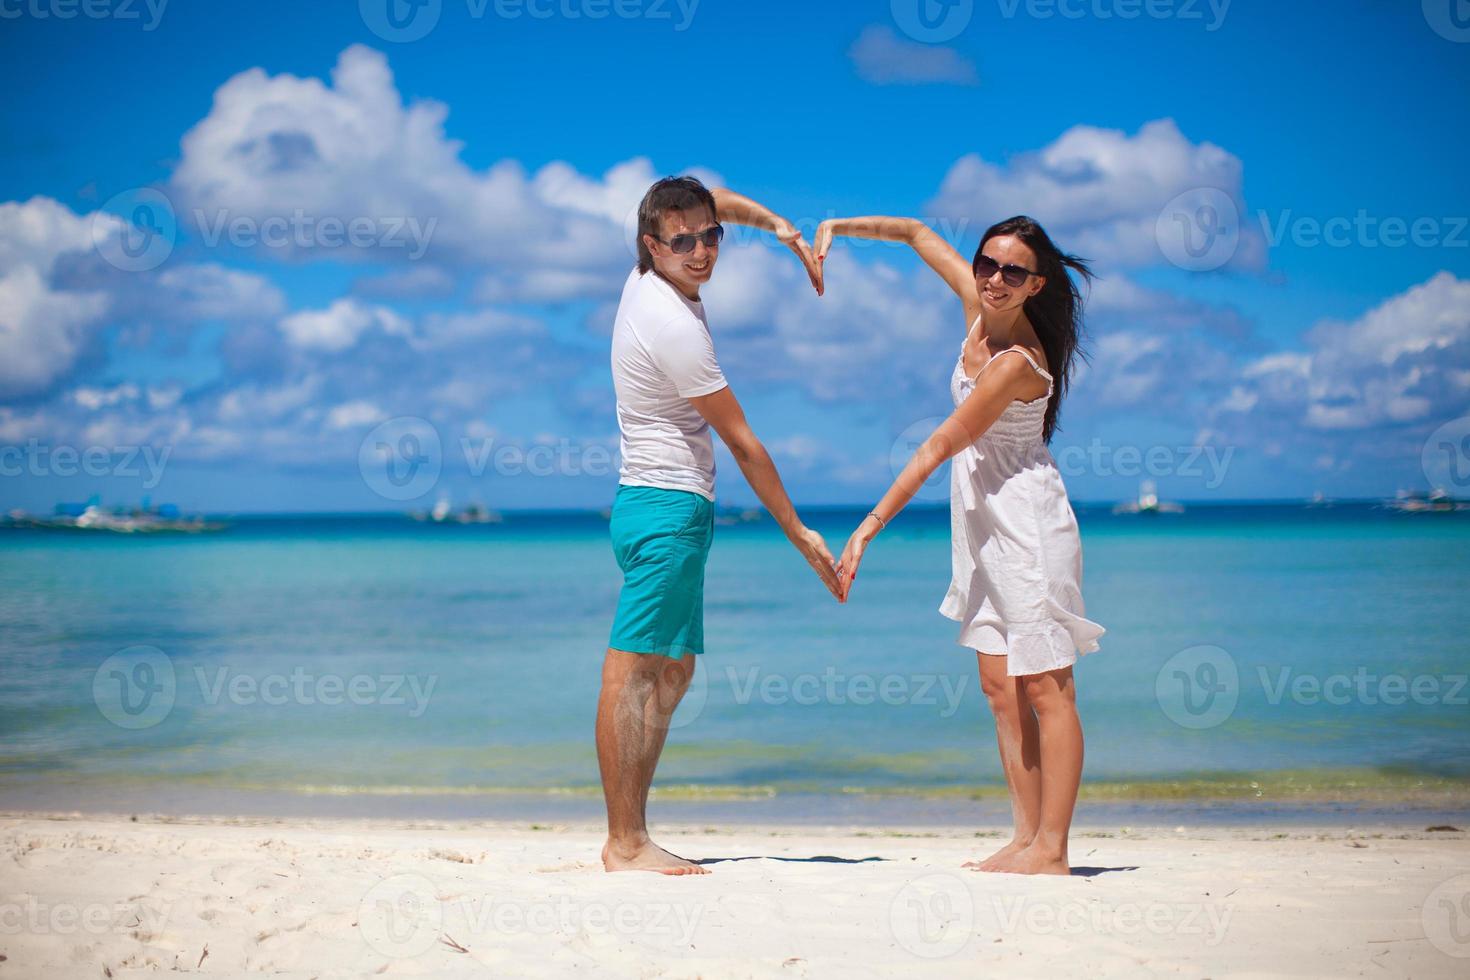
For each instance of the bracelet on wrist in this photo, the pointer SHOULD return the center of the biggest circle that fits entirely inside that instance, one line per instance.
(882, 524)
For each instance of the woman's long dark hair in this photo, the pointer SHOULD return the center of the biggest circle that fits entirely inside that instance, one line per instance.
(1056, 311)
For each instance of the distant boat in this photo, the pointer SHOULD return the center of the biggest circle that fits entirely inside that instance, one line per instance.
(94, 517)
(1320, 501)
(1148, 502)
(444, 513)
(478, 514)
(1435, 502)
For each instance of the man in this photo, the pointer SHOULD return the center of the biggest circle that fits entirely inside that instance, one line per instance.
(671, 392)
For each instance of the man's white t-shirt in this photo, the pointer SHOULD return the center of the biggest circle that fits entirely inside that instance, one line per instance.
(663, 355)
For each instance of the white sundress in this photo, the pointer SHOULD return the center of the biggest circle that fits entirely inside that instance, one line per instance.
(1017, 554)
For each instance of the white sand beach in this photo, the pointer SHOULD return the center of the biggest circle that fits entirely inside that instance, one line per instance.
(90, 896)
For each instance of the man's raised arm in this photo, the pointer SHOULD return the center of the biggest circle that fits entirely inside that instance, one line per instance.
(738, 209)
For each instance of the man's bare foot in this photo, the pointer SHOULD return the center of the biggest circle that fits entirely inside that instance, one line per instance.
(1034, 860)
(989, 864)
(647, 856)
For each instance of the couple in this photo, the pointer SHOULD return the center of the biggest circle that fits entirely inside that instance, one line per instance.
(1017, 554)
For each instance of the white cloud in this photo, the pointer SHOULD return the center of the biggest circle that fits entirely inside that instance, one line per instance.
(95, 398)
(1099, 192)
(37, 232)
(273, 146)
(42, 331)
(883, 58)
(351, 415)
(875, 329)
(340, 325)
(44, 328)
(1367, 389)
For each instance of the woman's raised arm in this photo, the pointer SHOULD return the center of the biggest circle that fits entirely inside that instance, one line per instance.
(937, 253)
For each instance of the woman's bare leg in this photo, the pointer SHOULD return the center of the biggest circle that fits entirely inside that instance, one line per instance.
(1020, 754)
(1054, 699)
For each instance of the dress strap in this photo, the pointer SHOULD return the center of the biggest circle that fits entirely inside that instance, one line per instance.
(969, 333)
(1029, 359)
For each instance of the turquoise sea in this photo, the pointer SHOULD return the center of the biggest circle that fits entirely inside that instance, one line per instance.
(1268, 652)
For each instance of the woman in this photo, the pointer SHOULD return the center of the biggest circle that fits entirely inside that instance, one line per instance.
(1017, 556)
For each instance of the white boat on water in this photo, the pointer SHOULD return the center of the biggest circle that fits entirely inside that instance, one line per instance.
(444, 513)
(1436, 502)
(95, 517)
(1148, 502)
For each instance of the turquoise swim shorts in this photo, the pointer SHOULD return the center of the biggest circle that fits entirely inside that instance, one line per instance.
(661, 539)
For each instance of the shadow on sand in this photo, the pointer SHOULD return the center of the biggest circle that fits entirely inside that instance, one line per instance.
(819, 859)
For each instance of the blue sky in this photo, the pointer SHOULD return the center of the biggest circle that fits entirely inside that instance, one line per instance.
(489, 165)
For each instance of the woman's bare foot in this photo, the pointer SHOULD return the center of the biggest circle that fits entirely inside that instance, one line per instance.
(1035, 860)
(647, 856)
(989, 864)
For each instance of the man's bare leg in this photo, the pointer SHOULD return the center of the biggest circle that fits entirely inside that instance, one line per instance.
(639, 694)
(1020, 755)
